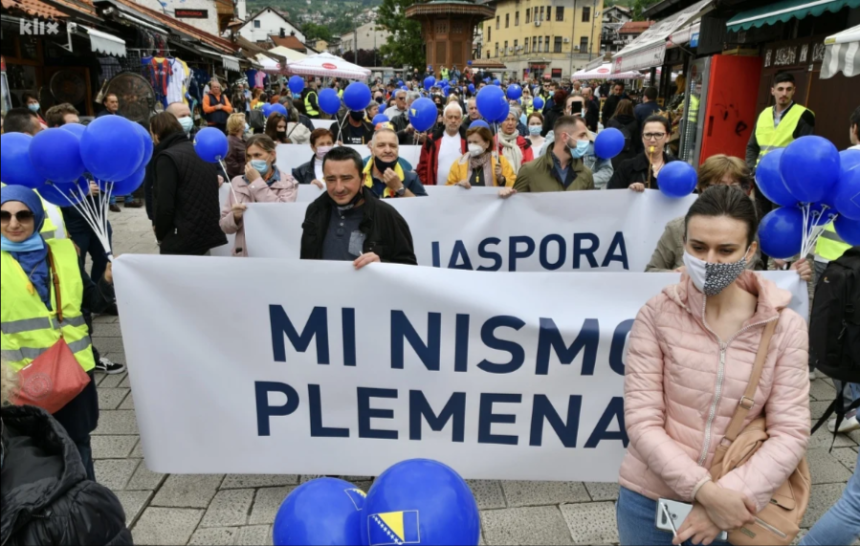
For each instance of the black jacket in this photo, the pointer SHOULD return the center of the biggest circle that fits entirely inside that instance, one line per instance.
(610, 105)
(387, 233)
(187, 207)
(305, 173)
(630, 127)
(592, 115)
(46, 497)
(551, 117)
(635, 170)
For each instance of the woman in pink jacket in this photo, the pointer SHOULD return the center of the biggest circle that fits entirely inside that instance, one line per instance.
(263, 182)
(691, 352)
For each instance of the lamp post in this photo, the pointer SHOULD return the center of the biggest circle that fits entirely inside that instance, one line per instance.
(594, 16)
(572, 39)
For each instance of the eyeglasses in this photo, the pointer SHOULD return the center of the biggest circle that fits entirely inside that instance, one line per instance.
(22, 216)
(654, 136)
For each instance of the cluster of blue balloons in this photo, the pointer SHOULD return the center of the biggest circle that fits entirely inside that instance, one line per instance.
(416, 501)
(112, 150)
(269, 109)
(814, 184)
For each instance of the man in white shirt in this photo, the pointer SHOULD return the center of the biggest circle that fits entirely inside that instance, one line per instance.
(855, 129)
(446, 145)
(399, 107)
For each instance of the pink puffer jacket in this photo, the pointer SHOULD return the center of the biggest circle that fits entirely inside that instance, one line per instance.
(682, 386)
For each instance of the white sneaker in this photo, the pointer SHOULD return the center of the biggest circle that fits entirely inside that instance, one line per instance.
(812, 375)
(848, 425)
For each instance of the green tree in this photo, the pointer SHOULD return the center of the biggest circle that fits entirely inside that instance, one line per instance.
(314, 32)
(639, 6)
(404, 47)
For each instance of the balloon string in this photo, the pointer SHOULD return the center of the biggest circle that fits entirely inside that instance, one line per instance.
(85, 213)
(230, 182)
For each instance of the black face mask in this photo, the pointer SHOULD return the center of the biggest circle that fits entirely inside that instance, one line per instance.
(379, 100)
(356, 116)
(282, 134)
(383, 166)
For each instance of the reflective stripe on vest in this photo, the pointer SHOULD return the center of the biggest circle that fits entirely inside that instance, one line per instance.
(308, 108)
(830, 245)
(768, 137)
(28, 328)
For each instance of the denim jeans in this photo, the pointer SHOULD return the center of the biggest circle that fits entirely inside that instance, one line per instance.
(88, 243)
(841, 524)
(128, 199)
(852, 393)
(637, 517)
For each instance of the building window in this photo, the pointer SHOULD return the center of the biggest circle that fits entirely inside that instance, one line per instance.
(515, 44)
(540, 44)
(256, 24)
(489, 34)
(541, 14)
(586, 15)
(559, 13)
(549, 13)
(583, 44)
(535, 48)
(517, 19)
(526, 44)
(557, 45)
(528, 16)
(507, 20)
(498, 19)
(497, 49)
(546, 45)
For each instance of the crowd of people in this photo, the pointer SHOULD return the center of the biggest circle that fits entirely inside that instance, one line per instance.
(722, 319)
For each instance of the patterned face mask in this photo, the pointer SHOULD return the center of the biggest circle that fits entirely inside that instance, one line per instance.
(711, 279)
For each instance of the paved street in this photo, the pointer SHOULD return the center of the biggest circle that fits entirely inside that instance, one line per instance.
(174, 509)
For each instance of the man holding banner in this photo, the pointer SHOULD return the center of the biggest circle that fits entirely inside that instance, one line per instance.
(384, 175)
(349, 222)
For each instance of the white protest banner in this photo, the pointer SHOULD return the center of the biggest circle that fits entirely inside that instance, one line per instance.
(275, 366)
(461, 229)
(293, 156)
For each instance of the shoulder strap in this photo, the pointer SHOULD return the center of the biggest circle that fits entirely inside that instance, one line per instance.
(747, 401)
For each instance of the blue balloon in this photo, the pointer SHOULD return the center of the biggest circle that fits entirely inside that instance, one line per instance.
(497, 83)
(357, 96)
(471, 88)
(849, 160)
(111, 148)
(76, 129)
(452, 83)
(325, 511)
(469, 63)
(608, 143)
(400, 83)
(211, 145)
(16, 168)
(810, 168)
(56, 155)
(479, 123)
(429, 82)
(848, 194)
(677, 179)
(420, 501)
(848, 230)
(538, 105)
(380, 118)
(329, 102)
(504, 110)
(127, 186)
(296, 85)
(57, 192)
(382, 108)
(769, 180)
(278, 109)
(423, 114)
(267, 110)
(404, 88)
(780, 232)
(514, 91)
(491, 101)
(148, 146)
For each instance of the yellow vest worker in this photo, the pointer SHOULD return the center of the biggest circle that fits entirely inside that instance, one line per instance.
(768, 137)
(830, 245)
(309, 110)
(55, 225)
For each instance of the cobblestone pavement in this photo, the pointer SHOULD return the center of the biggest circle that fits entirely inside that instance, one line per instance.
(180, 509)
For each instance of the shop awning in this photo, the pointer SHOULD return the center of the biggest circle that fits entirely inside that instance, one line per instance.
(649, 49)
(102, 42)
(687, 35)
(784, 11)
(842, 54)
(231, 63)
(141, 23)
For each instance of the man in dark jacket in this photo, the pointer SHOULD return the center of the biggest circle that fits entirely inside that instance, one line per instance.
(446, 145)
(349, 223)
(46, 496)
(612, 101)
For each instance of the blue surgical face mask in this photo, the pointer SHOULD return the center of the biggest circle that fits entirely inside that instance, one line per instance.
(535, 130)
(260, 165)
(580, 149)
(34, 107)
(187, 124)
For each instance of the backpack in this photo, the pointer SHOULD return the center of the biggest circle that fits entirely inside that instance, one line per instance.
(257, 120)
(834, 327)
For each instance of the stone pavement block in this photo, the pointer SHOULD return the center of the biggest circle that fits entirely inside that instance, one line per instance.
(820, 501)
(488, 493)
(112, 447)
(821, 391)
(128, 403)
(106, 330)
(228, 508)
(255, 535)
(165, 526)
(825, 468)
(527, 493)
(105, 319)
(817, 409)
(111, 381)
(244, 481)
(117, 422)
(602, 491)
(137, 452)
(824, 437)
(187, 491)
(144, 479)
(266, 504)
(216, 536)
(846, 456)
(113, 345)
(855, 436)
(126, 383)
(115, 473)
(110, 399)
(515, 526)
(591, 523)
(133, 503)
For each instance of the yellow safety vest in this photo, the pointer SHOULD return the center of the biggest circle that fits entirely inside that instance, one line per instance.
(49, 228)
(770, 138)
(308, 109)
(528, 107)
(28, 328)
(340, 93)
(693, 114)
(830, 245)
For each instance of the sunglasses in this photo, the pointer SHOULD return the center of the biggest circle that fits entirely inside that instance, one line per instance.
(22, 216)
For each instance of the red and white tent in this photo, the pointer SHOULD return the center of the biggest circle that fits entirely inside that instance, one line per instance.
(604, 72)
(325, 65)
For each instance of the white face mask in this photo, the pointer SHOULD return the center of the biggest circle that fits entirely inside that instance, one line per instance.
(711, 279)
(475, 150)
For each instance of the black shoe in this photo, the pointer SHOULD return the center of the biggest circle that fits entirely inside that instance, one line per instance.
(104, 365)
(115, 208)
(133, 204)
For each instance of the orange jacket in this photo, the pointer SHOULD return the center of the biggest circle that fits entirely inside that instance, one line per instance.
(207, 109)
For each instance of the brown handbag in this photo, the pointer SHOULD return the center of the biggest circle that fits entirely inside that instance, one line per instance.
(779, 522)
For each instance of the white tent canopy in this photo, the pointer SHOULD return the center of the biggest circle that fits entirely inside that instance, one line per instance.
(604, 72)
(842, 54)
(289, 54)
(325, 65)
(270, 65)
